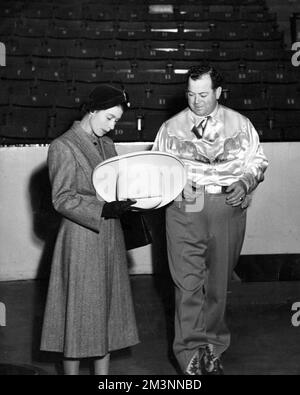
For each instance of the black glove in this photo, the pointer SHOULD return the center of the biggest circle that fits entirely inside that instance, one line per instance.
(117, 208)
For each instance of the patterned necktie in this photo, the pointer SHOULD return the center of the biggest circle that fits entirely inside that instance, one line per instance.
(200, 128)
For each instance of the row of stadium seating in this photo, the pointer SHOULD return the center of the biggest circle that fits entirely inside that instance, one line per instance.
(159, 97)
(41, 8)
(193, 50)
(21, 125)
(100, 12)
(43, 91)
(95, 59)
(160, 71)
(200, 31)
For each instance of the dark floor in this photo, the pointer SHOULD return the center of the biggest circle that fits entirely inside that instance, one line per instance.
(264, 341)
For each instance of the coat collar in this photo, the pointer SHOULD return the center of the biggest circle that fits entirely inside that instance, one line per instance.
(90, 146)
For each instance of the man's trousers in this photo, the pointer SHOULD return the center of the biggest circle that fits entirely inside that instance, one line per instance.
(203, 248)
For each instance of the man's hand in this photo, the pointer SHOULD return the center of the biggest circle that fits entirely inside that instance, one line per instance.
(236, 193)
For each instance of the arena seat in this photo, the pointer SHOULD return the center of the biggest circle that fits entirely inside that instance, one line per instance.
(155, 65)
(282, 117)
(64, 32)
(9, 9)
(130, 76)
(93, 32)
(4, 97)
(61, 119)
(127, 128)
(72, 101)
(98, 12)
(30, 30)
(284, 90)
(49, 88)
(258, 16)
(291, 133)
(168, 78)
(19, 72)
(289, 102)
(223, 66)
(38, 10)
(131, 14)
(217, 54)
(163, 26)
(247, 103)
(262, 54)
(33, 101)
(118, 65)
(24, 124)
(89, 76)
(230, 33)
(118, 53)
(154, 54)
(52, 47)
(200, 45)
(158, 45)
(77, 64)
(269, 135)
(155, 100)
(238, 90)
(280, 76)
(136, 94)
(242, 76)
(265, 35)
(131, 28)
(68, 12)
(82, 51)
(22, 46)
(161, 17)
(51, 74)
(151, 121)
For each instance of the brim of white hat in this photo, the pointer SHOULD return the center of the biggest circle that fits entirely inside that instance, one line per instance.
(161, 174)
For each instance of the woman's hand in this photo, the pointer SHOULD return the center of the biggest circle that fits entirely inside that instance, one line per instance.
(116, 208)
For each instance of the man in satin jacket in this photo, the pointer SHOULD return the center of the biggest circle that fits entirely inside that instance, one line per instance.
(206, 224)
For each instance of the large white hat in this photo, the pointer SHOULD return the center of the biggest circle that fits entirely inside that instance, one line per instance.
(152, 178)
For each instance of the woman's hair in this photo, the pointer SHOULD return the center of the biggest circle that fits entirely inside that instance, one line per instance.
(196, 73)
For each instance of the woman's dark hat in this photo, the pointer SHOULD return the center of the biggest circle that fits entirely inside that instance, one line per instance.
(106, 96)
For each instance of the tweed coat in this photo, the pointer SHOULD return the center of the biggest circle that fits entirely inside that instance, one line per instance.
(89, 310)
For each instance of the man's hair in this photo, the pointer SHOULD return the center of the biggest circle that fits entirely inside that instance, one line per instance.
(197, 72)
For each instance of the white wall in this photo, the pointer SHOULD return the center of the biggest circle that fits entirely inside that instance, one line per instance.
(272, 227)
(273, 224)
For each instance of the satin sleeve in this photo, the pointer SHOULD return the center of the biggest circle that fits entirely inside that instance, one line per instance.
(255, 163)
(160, 139)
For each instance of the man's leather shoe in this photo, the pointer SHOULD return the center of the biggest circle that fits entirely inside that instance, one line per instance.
(210, 364)
(194, 367)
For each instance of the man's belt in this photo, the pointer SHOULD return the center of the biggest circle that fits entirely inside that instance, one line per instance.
(212, 189)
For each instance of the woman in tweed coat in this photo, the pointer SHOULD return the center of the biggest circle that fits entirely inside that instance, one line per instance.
(89, 310)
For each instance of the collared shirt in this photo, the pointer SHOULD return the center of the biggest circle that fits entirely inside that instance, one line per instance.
(228, 151)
